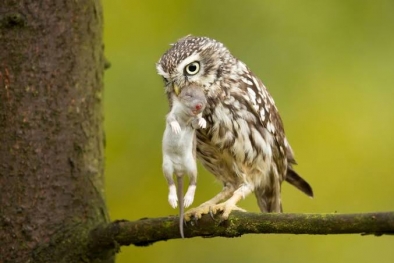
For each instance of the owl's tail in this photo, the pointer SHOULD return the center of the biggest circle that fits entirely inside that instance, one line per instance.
(294, 179)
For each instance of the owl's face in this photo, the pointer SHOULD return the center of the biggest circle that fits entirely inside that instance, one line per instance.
(192, 60)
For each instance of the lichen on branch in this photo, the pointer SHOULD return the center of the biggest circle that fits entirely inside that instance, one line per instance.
(150, 230)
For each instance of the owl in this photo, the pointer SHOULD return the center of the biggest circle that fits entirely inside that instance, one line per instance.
(244, 144)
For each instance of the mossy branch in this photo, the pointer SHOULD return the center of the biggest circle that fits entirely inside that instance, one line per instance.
(150, 230)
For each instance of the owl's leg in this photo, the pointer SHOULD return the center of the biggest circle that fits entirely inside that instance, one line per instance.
(206, 207)
(269, 199)
(231, 204)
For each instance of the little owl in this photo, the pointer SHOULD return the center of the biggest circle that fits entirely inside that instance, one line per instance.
(244, 144)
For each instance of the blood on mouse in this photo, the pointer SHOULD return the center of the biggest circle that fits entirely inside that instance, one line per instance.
(198, 106)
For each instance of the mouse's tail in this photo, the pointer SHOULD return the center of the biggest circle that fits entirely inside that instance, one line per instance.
(180, 203)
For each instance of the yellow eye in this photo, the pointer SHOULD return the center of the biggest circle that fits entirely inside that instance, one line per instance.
(192, 69)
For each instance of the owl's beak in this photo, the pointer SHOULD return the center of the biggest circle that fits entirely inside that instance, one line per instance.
(176, 88)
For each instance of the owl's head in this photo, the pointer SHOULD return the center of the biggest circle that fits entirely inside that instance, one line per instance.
(192, 60)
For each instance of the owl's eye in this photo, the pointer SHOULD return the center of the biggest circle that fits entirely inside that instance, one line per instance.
(192, 69)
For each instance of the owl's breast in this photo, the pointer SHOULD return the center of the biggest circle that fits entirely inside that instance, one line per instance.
(231, 125)
(234, 142)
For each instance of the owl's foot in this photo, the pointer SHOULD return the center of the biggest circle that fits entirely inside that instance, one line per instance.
(225, 208)
(197, 212)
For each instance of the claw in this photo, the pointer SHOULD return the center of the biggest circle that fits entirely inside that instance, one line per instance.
(226, 208)
(196, 213)
(211, 213)
(195, 220)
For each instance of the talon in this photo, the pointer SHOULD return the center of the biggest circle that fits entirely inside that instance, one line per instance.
(226, 209)
(211, 213)
(196, 213)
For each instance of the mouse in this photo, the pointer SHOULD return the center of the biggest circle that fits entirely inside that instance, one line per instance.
(179, 146)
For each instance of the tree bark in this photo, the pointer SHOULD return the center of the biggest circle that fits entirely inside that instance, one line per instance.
(51, 134)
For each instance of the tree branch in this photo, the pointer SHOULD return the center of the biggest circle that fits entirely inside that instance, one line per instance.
(149, 230)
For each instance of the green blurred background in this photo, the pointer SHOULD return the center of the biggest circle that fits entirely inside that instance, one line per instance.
(330, 67)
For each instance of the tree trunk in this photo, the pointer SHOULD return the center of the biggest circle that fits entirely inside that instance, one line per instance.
(51, 132)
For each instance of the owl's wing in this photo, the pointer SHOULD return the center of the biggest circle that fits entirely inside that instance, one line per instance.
(263, 107)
